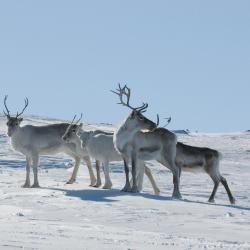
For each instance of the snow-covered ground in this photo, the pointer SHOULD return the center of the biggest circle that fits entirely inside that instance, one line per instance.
(60, 216)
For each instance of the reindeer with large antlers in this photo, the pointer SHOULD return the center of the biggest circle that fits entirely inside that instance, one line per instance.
(33, 141)
(136, 145)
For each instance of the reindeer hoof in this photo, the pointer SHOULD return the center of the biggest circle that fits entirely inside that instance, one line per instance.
(35, 186)
(107, 186)
(127, 188)
(97, 185)
(135, 189)
(232, 201)
(92, 183)
(70, 181)
(157, 192)
(26, 185)
(176, 196)
(211, 200)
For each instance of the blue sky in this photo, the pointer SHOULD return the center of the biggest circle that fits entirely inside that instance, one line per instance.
(187, 59)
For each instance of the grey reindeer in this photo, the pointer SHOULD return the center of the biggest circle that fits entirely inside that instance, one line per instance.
(138, 139)
(198, 159)
(201, 159)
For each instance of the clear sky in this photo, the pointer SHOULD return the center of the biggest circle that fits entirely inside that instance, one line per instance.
(187, 59)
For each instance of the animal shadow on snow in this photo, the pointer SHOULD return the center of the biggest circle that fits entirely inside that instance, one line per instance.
(101, 195)
(218, 204)
(13, 163)
(112, 195)
(48, 162)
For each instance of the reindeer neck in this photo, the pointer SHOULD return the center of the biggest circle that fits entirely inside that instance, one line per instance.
(78, 144)
(16, 132)
(125, 128)
(124, 135)
(17, 140)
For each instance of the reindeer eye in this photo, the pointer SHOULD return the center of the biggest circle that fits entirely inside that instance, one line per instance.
(140, 117)
(73, 130)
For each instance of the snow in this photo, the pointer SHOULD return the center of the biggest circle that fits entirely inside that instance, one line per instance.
(61, 216)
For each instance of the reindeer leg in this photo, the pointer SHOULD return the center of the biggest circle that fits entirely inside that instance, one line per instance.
(27, 180)
(176, 175)
(151, 179)
(35, 160)
(91, 173)
(98, 174)
(127, 187)
(74, 174)
(176, 182)
(230, 196)
(216, 185)
(134, 170)
(139, 178)
(108, 183)
(140, 175)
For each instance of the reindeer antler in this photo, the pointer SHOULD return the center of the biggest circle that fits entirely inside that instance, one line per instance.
(158, 120)
(125, 91)
(168, 121)
(70, 125)
(78, 119)
(7, 110)
(143, 108)
(26, 101)
(73, 120)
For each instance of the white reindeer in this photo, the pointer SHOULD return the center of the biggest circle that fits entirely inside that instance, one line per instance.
(33, 141)
(78, 129)
(100, 147)
(137, 146)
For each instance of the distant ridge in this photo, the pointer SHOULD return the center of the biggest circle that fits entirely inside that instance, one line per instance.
(182, 131)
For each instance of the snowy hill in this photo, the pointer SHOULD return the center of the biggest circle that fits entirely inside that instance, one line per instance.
(60, 216)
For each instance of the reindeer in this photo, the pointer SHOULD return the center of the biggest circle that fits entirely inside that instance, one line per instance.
(75, 129)
(33, 141)
(100, 147)
(197, 159)
(137, 146)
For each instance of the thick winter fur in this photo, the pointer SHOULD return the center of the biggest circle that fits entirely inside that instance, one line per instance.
(100, 147)
(206, 160)
(33, 141)
(138, 146)
(197, 159)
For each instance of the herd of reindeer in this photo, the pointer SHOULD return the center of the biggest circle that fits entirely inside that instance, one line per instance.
(134, 142)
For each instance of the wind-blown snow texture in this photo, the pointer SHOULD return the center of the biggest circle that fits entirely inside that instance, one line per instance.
(60, 216)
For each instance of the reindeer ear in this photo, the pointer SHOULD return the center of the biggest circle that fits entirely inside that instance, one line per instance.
(80, 126)
(132, 115)
(20, 120)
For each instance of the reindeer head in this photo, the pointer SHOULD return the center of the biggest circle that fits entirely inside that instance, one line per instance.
(13, 121)
(71, 133)
(136, 120)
